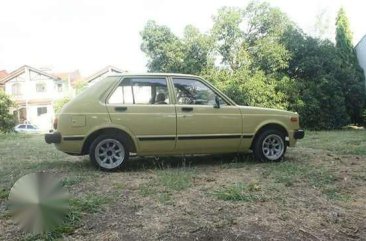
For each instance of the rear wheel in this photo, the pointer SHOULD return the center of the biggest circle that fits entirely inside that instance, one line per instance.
(109, 152)
(269, 145)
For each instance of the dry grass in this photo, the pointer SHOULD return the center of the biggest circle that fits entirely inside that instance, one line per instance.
(317, 193)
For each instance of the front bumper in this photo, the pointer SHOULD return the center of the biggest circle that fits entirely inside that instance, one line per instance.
(299, 134)
(54, 137)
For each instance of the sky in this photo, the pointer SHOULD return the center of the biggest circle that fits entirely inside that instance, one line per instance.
(66, 35)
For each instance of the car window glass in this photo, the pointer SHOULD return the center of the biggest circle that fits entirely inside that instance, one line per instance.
(21, 126)
(141, 91)
(30, 127)
(194, 92)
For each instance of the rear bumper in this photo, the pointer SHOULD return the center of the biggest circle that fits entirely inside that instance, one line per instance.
(299, 134)
(51, 138)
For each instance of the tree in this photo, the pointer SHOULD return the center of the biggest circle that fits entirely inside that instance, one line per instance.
(58, 104)
(162, 47)
(259, 57)
(246, 87)
(350, 73)
(314, 65)
(228, 35)
(197, 50)
(168, 53)
(6, 120)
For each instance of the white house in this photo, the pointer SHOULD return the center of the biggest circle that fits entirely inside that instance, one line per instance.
(101, 74)
(361, 54)
(34, 92)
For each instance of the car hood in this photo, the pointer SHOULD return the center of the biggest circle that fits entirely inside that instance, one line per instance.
(267, 111)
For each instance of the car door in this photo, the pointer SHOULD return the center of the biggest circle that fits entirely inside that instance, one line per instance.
(201, 126)
(143, 107)
(30, 128)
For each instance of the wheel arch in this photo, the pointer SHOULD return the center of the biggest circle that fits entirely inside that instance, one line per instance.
(108, 130)
(267, 126)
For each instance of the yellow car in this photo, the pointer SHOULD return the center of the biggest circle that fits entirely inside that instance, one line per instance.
(167, 114)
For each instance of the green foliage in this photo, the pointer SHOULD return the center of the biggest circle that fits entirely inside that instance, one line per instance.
(168, 53)
(257, 56)
(58, 104)
(228, 35)
(80, 85)
(260, 89)
(197, 50)
(163, 48)
(350, 74)
(6, 120)
(344, 35)
(315, 66)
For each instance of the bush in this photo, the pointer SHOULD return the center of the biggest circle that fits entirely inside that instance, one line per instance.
(364, 117)
(245, 88)
(6, 119)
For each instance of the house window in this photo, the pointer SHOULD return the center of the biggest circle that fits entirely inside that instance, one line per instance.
(16, 89)
(40, 88)
(59, 88)
(41, 110)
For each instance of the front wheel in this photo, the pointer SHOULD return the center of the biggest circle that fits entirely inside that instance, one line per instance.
(108, 152)
(269, 145)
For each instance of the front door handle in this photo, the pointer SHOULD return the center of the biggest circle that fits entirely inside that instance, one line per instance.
(187, 109)
(120, 108)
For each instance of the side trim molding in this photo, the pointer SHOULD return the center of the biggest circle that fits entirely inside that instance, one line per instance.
(157, 138)
(73, 138)
(210, 137)
(194, 137)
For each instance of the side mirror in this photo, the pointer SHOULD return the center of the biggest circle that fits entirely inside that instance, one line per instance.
(217, 102)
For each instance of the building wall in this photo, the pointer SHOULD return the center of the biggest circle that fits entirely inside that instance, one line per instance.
(361, 54)
(53, 89)
(36, 91)
(43, 121)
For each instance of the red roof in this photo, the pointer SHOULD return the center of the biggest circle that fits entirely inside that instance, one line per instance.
(3, 73)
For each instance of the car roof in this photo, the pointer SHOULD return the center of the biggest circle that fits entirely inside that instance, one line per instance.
(154, 74)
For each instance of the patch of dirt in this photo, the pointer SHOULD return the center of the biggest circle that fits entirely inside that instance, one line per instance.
(194, 214)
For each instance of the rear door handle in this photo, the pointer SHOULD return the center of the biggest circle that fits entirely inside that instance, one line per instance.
(187, 109)
(120, 108)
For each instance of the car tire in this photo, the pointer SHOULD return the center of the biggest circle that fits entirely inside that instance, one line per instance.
(269, 145)
(109, 152)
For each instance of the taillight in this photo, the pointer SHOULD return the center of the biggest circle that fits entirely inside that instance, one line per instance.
(55, 123)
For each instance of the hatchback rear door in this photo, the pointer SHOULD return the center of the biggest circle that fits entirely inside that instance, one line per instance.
(142, 106)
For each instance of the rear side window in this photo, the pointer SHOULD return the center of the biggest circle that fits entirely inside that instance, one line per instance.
(141, 91)
(21, 126)
(30, 127)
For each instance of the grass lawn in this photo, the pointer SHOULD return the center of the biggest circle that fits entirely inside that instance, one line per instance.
(317, 193)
